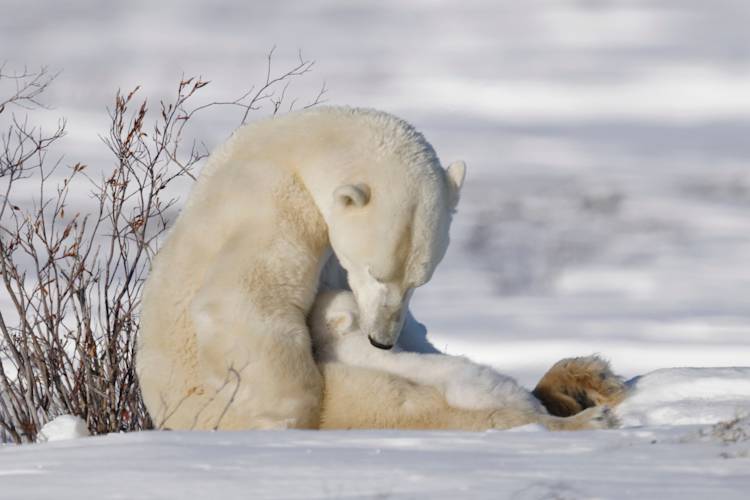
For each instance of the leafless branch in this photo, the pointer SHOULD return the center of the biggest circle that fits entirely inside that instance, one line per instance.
(28, 86)
(272, 90)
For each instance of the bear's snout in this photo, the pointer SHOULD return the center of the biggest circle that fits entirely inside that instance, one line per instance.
(377, 344)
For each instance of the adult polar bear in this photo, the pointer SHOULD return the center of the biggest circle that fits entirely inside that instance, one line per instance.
(224, 342)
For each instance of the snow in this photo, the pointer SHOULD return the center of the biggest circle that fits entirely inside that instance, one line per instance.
(605, 210)
(661, 452)
(63, 428)
(683, 396)
(676, 462)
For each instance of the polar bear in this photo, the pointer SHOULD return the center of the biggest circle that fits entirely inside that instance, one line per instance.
(223, 341)
(464, 385)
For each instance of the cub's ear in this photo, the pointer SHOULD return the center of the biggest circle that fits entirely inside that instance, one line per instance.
(456, 173)
(340, 322)
(352, 195)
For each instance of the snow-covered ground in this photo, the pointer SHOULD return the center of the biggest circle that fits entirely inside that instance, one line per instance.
(607, 209)
(675, 463)
(657, 461)
(669, 446)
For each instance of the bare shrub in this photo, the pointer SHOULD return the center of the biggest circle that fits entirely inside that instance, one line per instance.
(73, 281)
(731, 431)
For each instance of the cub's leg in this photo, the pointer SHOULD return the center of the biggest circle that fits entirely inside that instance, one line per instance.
(361, 398)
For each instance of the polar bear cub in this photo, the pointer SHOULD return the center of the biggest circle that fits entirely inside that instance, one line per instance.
(464, 384)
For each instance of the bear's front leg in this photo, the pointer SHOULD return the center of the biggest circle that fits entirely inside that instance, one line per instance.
(257, 368)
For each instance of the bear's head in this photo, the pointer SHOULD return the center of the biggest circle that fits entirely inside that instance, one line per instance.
(389, 230)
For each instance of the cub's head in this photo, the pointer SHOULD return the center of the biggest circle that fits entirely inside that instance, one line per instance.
(333, 316)
(389, 229)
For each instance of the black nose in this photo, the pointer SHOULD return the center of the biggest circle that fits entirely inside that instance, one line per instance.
(379, 345)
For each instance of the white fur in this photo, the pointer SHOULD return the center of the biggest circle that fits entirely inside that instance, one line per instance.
(464, 384)
(224, 343)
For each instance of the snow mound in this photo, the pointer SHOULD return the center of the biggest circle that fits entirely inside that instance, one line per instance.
(682, 396)
(62, 428)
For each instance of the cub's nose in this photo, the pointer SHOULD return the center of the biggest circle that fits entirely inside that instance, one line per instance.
(377, 344)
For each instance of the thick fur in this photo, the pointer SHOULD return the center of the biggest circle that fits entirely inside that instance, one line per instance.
(224, 342)
(574, 384)
(360, 398)
(372, 388)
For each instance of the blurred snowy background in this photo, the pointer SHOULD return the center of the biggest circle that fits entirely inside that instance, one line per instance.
(607, 206)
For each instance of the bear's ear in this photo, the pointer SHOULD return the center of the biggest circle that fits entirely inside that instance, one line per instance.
(340, 322)
(351, 195)
(456, 173)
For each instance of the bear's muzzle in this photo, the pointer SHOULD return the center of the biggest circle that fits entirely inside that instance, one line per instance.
(377, 344)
